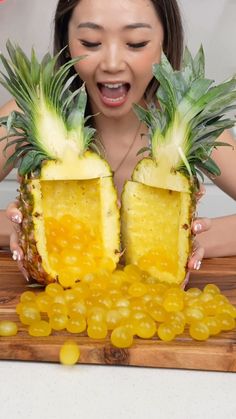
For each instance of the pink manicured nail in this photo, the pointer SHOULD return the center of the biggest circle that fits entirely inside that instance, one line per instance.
(16, 255)
(197, 228)
(16, 218)
(197, 265)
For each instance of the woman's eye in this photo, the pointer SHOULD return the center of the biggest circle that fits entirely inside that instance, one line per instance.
(88, 44)
(137, 44)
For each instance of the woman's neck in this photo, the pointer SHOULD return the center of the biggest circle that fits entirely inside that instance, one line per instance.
(106, 125)
(121, 140)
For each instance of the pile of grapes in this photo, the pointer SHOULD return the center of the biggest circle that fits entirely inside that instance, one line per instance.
(124, 304)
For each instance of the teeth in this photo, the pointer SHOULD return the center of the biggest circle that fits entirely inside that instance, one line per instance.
(118, 99)
(113, 86)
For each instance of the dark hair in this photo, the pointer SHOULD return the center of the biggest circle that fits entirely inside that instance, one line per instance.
(168, 12)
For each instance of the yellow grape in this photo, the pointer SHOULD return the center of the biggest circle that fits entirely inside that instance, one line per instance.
(206, 296)
(122, 337)
(69, 295)
(117, 278)
(137, 289)
(59, 298)
(27, 296)
(193, 292)
(199, 330)
(156, 311)
(40, 328)
(69, 353)
(210, 307)
(220, 299)
(177, 321)
(226, 321)
(53, 289)
(57, 308)
(173, 303)
(137, 304)
(193, 314)
(105, 301)
(29, 313)
(125, 312)
(68, 277)
(227, 309)
(58, 321)
(212, 288)
(113, 319)
(177, 326)
(133, 273)
(43, 301)
(146, 328)
(76, 325)
(19, 308)
(76, 308)
(213, 325)
(8, 328)
(97, 314)
(97, 330)
(166, 332)
(122, 302)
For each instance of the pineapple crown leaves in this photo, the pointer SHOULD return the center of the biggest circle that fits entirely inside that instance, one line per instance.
(44, 97)
(190, 114)
(76, 120)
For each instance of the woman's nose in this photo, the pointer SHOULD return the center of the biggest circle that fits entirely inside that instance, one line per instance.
(113, 60)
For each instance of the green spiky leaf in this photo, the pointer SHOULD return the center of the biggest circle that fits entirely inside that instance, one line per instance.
(189, 116)
(51, 117)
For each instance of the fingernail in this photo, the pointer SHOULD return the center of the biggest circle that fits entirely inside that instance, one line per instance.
(16, 218)
(16, 255)
(25, 274)
(197, 265)
(197, 228)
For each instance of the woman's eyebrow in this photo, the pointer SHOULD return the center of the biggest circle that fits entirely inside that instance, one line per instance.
(92, 25)
(138, 25)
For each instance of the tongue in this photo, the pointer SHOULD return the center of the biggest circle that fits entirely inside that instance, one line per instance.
(114, 93)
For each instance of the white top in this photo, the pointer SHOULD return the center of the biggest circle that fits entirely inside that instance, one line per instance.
(30, 390)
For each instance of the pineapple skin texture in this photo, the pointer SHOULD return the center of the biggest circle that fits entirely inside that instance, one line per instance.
(32, 261)
(32, 234)
(157, 212)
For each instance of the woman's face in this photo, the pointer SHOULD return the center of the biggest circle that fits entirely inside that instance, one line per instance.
(122, 40)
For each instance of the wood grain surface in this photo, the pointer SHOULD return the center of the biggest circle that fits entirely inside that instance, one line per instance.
(216, 354)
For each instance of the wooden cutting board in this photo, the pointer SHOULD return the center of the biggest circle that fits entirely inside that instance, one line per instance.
(216, 354)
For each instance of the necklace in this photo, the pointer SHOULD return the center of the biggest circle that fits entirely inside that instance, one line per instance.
(128, 150)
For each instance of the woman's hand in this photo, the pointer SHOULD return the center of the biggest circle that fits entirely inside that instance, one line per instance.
(15, 217)
(199, 225)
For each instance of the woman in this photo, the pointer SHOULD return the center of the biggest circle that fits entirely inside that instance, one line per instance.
(122, 40)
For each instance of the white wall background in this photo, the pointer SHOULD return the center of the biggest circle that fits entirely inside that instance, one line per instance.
(210, 22)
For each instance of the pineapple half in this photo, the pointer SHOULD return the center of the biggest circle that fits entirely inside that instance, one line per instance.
(70, 215)
(158, 204)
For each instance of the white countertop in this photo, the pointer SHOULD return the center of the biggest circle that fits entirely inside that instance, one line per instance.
(30, 390)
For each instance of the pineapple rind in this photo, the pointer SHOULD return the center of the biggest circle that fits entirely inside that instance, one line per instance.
(32, 222)
(110, 219)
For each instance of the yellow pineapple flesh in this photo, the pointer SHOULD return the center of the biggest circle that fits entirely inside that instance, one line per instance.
(156, 224)
(75, 223)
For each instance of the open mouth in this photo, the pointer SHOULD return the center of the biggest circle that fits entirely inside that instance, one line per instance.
(113, 94)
